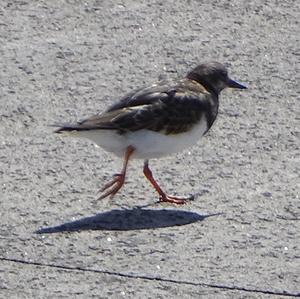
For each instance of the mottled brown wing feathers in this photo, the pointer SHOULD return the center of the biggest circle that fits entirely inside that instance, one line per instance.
(159, 108)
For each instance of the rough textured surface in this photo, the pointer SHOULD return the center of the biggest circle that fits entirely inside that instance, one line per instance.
(65, 60)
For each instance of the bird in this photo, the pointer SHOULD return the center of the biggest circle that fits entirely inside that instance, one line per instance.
(152, 122)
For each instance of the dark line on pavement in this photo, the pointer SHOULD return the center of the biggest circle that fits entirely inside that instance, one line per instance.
(154, 278)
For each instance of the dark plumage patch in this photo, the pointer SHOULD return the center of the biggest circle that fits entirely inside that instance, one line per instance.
(169, 108)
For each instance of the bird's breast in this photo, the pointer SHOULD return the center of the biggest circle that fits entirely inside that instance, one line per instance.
(150, 144)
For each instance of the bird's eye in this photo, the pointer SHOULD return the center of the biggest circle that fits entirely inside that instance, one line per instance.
(224, 74)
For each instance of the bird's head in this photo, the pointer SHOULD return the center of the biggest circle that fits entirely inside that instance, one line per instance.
(213, 76)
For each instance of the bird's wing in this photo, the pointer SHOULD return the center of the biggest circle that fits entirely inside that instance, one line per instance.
(160, 108)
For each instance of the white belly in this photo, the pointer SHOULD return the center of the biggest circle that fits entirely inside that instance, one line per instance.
(148, 144)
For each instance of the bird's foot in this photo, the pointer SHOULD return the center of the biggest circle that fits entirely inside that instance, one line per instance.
(112, 188)
(174, 199)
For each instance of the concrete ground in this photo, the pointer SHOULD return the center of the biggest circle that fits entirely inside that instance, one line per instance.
(66, 60)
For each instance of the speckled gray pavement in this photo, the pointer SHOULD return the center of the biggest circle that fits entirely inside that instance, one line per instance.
(66, 60)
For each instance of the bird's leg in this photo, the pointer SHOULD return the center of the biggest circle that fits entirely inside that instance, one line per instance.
(112, 188)
(163, 197)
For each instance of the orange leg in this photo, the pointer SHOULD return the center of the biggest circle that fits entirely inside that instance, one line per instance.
(112, 188)
(163, 197)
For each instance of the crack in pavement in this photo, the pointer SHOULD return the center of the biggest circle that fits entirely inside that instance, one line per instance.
(153, 278)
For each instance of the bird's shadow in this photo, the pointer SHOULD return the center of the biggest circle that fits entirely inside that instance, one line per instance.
(129, 219)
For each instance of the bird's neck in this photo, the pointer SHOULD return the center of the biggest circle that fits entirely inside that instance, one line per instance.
(209, 87)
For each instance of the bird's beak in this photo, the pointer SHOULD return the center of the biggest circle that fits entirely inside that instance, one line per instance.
(233, 84)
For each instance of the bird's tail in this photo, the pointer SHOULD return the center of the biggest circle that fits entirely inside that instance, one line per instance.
(65, 128)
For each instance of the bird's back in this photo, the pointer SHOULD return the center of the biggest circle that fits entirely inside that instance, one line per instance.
(168, 107)
(172, 106)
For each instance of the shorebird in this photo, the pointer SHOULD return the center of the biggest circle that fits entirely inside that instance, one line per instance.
(156, 121)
